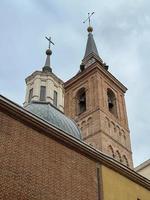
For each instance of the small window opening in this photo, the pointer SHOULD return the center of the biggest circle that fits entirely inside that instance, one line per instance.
(30, 95)
(43, 93)
(81, 101)
(112, 106)
(55, 98)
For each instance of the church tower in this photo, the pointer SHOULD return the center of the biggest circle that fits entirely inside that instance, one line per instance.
(94, 98)
(44, 86)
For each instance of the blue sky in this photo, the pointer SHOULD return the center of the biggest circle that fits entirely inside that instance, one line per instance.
(122, 35)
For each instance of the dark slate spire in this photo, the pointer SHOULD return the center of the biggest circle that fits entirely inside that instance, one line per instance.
(91, 53)
(90, 46)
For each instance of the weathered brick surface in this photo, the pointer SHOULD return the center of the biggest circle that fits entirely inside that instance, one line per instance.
(34, 166)
(102, 122)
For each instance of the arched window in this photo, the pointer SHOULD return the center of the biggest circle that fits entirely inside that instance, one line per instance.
(81, 101)
(111, 151)
(111, 98)
(125, 160)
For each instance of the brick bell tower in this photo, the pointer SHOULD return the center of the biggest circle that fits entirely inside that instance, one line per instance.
(94, 98)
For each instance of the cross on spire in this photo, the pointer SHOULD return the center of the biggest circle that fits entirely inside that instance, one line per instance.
(89, 18)
(47, 66)
(50, 42)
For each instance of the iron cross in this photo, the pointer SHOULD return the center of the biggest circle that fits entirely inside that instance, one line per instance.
(50, 41)
(89, 18)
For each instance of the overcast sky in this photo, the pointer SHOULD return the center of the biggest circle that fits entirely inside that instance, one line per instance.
(122, 36)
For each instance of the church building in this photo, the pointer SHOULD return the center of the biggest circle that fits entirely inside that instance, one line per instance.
(70, 140)
(94, 98)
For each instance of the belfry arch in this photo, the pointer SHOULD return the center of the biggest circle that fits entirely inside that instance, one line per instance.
(81, 104)
(111, 102)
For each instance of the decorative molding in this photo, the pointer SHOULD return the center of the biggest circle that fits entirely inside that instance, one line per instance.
(41, 73)
(95, 66)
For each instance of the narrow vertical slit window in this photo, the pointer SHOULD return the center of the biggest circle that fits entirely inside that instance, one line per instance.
(30, 95)
(55, 98)
(43, 93)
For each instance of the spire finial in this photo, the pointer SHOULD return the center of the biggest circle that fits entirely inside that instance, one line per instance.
(91, 48)
(47, 67)
(89, 29)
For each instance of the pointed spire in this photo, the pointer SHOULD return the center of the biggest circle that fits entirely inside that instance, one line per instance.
(91, 49)
(90, 46)
(47, 66)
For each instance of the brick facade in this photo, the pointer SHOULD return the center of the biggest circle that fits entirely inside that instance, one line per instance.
(34, 166)
(100, 128)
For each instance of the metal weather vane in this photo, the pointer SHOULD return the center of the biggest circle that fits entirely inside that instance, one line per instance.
(89, 18)
(50, 42)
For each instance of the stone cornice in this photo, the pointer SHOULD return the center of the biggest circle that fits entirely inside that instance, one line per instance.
(101, 69)
(41, 73)
(17, 112)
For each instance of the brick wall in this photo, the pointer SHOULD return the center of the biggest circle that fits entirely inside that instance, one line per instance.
(35, 166)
